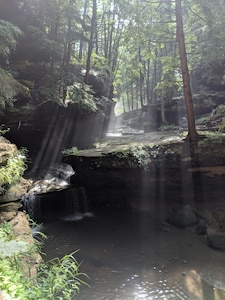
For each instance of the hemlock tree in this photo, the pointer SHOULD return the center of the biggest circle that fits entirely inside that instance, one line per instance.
(9, 87)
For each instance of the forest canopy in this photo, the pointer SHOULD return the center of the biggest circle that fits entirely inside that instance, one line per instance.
(87, 51)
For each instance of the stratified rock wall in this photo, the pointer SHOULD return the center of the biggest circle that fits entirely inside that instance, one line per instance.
(11, 194)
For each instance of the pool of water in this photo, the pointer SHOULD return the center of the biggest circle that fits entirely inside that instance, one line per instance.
(136, 255)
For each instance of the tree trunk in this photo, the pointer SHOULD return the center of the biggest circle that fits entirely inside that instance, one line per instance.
(163, 113)
(185, 74)
(141, 78)
(83, 25)
(91, 43)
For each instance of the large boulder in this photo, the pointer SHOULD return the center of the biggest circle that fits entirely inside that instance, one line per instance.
(212, 224)
(216, 239)
(183, 216)
(16, 191)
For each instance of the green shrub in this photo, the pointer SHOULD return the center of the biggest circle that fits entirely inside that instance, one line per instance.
(14, 168)
(70, 151)
(12, 280)
(83, 96)
(5, 231)
(141, 155)
(58, 279)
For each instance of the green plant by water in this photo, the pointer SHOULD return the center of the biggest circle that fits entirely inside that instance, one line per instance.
(58, 279)
(141, 155)
(14, 168)
(70, 151)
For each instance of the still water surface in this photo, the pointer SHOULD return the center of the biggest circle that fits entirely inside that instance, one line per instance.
(136, 255)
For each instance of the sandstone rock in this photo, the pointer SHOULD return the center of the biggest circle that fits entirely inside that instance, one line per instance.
(7, 216)
(201, 227)
(22, 232)
(183, 216)
(21, 228)
(219, 215)
(207, 216)
(205, 220)
(10, 207)
(6, 150)
(10, 202)
(16, 191)
(216, 239)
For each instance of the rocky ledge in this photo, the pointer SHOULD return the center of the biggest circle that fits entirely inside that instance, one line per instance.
(12, 189)
(158, 169)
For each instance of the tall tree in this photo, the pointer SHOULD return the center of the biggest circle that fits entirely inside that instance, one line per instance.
(185, 73)
(91, 41)
(9, 86)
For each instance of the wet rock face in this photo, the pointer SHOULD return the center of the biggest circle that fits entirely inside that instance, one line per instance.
(216, 239)
(16, 191)
(215, 232)
(11, 193)
(10, 200)
(206, 222)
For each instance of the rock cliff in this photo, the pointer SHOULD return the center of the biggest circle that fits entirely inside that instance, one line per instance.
(12, 189)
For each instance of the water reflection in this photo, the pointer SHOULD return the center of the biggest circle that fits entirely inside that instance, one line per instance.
(127, 257)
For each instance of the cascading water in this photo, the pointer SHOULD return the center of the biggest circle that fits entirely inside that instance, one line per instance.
(77, 205)
(55, 198)
(32, 205)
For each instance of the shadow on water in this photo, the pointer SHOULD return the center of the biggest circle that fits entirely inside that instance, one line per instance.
(134, 253)
(137, 256)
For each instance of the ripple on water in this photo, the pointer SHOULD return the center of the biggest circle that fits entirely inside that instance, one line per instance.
(214, 276)
(134, 289)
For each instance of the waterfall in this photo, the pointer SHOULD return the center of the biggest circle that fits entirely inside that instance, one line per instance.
(77, 205)
(71, 201)
(69, 204)
(83, 200)
(53, 197)
(32, 205)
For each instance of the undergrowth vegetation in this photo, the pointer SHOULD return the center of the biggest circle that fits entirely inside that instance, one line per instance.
(14, 168)
(56, 279)
(70, 151)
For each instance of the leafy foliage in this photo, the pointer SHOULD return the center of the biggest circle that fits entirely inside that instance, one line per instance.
(11, 280)
(70, 151)
(5, 231)
(9, 88)
(8, 35)
(10, 248)
(134, 42)
(14, 168)
(141, 155)
(82, 95)
(57, 279)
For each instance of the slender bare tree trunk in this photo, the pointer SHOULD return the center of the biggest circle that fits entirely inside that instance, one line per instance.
(91, 42)
(185, 74)
(83, 24)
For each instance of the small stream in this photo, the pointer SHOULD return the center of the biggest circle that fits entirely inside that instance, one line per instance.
(132, 254)
(136, 256)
